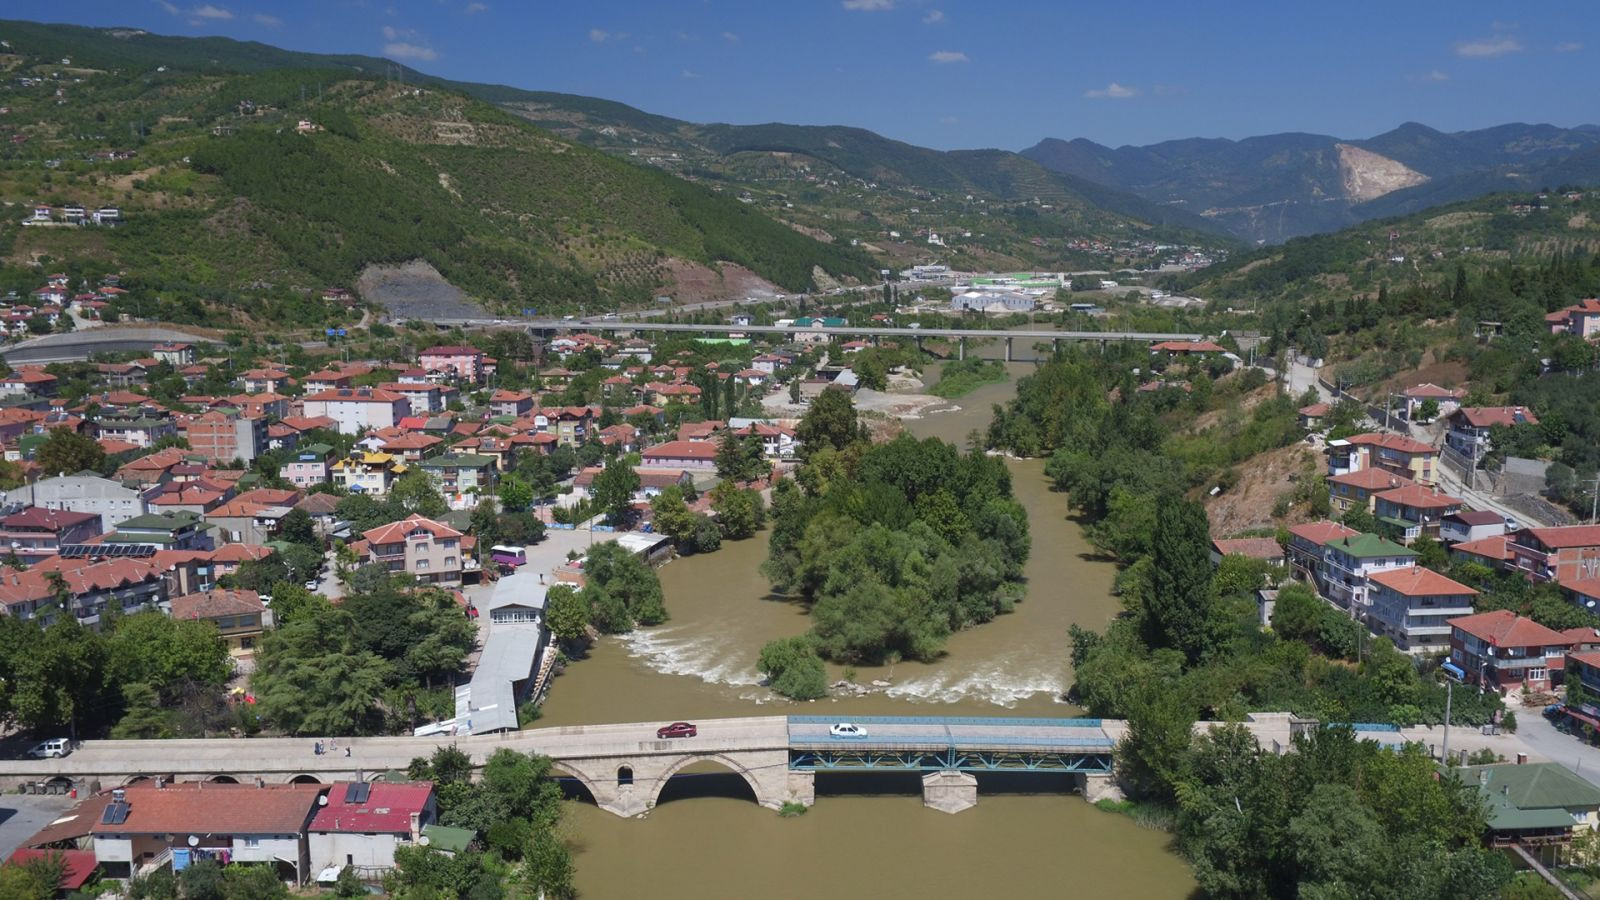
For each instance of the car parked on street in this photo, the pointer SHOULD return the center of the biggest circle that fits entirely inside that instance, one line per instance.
(847, 730)
(677, 730)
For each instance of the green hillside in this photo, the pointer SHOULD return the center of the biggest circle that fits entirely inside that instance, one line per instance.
(223, 198)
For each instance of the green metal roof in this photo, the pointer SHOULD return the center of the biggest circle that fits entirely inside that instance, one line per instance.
(450, 840)
(1534, 795)
(1365, 546)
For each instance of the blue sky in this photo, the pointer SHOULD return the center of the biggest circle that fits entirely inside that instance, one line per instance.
(954, 73)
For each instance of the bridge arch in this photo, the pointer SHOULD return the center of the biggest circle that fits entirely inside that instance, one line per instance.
(222, 779)
(575, 784)
(303, 778)
(732, 765)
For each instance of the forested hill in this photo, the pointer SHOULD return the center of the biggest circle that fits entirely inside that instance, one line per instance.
(225, 194)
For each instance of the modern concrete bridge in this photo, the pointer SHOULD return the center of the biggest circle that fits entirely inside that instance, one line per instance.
(625, 766)
(75, 346)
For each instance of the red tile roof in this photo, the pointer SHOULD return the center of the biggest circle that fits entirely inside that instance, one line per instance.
(682, 450)
(1419, 497)
(1489, 548)
(387, 809)
(1415, 581)
(1429, 390)
(1255, 548)
(47, 519)
(1393, 442)
(354, 395)
(397, 531)
(218, 602)
(208, 808)
(1372, 480)
(1486, 416)
(1504, 628)
(1188, 347)
(1320, 533)
(1476, 517)
(1564, 537)
(78, 865)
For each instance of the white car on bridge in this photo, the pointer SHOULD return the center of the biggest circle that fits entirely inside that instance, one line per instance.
(847, 730)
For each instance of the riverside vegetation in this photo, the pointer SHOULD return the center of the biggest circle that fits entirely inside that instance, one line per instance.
(891, 547)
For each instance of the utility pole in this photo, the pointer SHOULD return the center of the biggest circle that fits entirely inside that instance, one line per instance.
(1594, 506)
(1449, 694)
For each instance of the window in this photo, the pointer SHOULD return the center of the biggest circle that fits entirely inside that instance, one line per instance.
(1537, 673)
(422, 565)
(252, 842)
(247, 643)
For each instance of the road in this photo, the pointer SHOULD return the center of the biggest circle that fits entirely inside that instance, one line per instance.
(1031, 334)
(1543, 739)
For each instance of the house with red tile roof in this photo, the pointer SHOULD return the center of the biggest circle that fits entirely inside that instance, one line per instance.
(1470, 525)
(454, 362)
(1493, 552)
(510, 403)
(1310, 417)
(36, 533)
(364, 822)
(1359, 488)
(1566, 554)
(415, 545)
(240, 616)
(356, 410)
(1307, 544)
(245, 823)
(1414, 511)
(1391, 453)
(132, 584)
(1414, 606)
(1581, 318)
(1186, 348)
(1470, 426)
(701, 431)
(1503, 651)
(699, 456)
(78, 866)
(1448, 399)
(1263, 548)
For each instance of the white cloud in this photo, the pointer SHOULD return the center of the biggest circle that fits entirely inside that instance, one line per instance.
(1112, 91)
(689, 74)
(1432, 75)
(171, 8)
(599, 35)
(1489, 47)
(730, 37)
(210, 12)
(948, 56)
(269, 21)
(390, 32)
(473, 9)
(1568, 47)
(934, 17)
(403, 50)
(868, 5)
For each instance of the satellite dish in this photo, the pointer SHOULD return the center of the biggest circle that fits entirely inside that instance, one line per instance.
(194, 841)
(322, 799)
(424, 840)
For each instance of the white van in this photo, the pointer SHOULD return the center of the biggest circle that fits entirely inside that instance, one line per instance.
(51, 749)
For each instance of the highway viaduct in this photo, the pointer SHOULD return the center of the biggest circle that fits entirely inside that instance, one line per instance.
(959, 335)
(625, 766)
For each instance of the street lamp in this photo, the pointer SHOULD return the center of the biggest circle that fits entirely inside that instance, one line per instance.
(1449, 695)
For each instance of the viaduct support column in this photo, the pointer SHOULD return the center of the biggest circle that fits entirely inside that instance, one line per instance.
(1099, 787)
(1055, 345)
(961, 348)
(1008, 349)
(949, 790)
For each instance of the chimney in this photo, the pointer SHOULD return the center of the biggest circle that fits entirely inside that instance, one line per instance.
(416, 825)
(161, 782)
(1522, 759)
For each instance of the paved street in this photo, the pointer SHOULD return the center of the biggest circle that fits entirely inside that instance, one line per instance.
(1543, 739)
(22, 815)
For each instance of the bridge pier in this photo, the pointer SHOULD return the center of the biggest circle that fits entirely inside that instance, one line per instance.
(629, 786)
(1008, 349)
(961, 348)
(1097, 787)
(1055, 346)
(949, 790)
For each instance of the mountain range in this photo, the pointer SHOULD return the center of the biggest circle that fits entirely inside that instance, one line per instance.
(1274, 187)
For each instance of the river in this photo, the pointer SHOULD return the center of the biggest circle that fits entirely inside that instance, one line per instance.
(707, 839)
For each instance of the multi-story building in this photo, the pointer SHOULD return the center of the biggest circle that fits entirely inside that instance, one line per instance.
(454, 362)
(1503, 651)
(92, 588)
(240, 616)
(510, 403)
(174, 354)
(1357, 489)
(141, 428)
(1447, 399)
(424, 398)
(1415, 511)
(308, 467)
(112, 501)
(1308, 544)
(1392, 453)
(416, 546)
(461, 477)
(1413, 606)
(37, 533)
(223, 435)
(150, 822)
(1348, 563)
(1470, 525)
(1567, 554)
(1581, 319)
(1470, 425)
(363, 823)
(366, 472)
(356, 410)
(694, 455)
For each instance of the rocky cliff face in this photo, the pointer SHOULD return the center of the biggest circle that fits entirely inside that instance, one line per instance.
(1367, 176)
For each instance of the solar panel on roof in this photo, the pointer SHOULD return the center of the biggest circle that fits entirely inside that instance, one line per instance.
(115, 814)
(105, 551)
(357, 793)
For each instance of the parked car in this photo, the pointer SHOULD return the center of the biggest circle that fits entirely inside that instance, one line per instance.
(677, 730)
(847, 730)
(55, 748)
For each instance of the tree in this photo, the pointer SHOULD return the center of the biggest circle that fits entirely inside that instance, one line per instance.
(740, 512)
(414, 492)
(794, 669)
(614, 488)
(1361, 519)
(566, 614)
(829, 422)
(1180, 609)
(740, 459)
(65, 452)
(707, 536)
(516, 495)
(1297, 615)
(297, 528)
(671, 516)
(1428, 410)
(153, 649)
(1153, 758)
(36, 879)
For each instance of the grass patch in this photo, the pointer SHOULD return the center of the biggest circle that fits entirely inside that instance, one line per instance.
(790, 809)
(1145, 815)
(967, 375)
